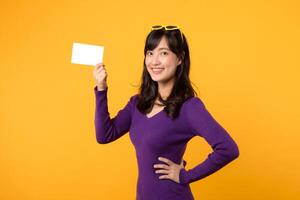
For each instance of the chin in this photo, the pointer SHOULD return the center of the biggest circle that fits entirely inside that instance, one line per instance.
(159, 79)
(156, 78)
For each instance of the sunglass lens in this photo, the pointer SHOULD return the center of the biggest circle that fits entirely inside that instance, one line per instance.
(156, 26)
(171, 27)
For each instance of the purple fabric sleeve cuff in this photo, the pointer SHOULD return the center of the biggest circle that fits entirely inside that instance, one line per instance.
(101, 91)
(183, 176)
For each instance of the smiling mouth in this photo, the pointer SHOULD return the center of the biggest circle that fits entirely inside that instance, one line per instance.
(157, 70)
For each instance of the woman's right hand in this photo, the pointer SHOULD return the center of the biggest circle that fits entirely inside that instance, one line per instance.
(100, 76)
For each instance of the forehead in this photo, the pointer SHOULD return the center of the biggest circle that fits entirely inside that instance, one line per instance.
(163, 45)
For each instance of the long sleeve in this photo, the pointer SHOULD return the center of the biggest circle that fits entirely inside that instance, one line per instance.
(107, 129)
(202, 124)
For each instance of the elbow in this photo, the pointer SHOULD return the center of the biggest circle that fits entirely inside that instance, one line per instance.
(101, 135)
(100, 139)
(234, 152)
(230, 153)
(225, 155)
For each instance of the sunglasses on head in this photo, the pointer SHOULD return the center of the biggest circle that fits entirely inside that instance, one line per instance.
(167, 27)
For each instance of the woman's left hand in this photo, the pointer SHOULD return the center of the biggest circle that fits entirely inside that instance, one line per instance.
(171, 170)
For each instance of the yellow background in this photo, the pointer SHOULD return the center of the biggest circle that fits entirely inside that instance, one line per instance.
(244, 62)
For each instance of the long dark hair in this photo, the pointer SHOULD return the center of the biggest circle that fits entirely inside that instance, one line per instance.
(182, 89)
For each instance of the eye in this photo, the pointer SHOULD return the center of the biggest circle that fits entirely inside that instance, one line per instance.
(149, 53)
(165, 53)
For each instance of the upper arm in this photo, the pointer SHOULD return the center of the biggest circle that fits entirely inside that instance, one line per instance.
(202, 123)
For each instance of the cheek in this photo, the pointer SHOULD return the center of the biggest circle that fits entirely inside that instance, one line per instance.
(172, 67)
(147, 62)
(147, 66)
(170, 61)
(171, 64)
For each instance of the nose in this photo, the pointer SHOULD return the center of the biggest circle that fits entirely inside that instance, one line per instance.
(155, 60)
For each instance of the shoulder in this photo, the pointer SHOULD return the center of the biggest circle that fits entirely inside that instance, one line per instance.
(193, 103)
(133, 99)
(193, 107)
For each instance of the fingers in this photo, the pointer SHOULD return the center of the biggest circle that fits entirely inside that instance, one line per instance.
(170, 170)
(164, 177)
(99, 68)
(99, 65)
(162, 171)
(169, 162)
(162, 166)
(100, 74)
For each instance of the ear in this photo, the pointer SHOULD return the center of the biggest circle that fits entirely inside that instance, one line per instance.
(179, 62)
(181, 58)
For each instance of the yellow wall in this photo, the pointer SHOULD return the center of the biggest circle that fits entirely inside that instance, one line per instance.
(245, 64)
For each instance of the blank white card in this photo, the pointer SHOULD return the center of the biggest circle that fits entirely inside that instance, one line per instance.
(87, 54)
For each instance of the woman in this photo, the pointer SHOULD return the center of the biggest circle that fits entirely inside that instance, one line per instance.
(162, 118)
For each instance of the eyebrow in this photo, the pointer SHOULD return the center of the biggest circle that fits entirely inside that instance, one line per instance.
(163, 48)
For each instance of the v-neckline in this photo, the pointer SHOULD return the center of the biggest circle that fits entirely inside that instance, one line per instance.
(155, 114)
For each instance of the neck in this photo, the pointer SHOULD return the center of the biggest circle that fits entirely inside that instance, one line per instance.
(165, 88)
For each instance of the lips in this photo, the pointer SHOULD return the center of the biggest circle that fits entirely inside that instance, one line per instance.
(157, 70)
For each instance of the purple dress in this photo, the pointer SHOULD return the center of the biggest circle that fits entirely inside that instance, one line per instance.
(160, 136)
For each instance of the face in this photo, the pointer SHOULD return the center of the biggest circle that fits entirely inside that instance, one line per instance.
(161, 62)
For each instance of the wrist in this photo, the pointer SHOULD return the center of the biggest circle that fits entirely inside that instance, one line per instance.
(183, 176)
(101, 87)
